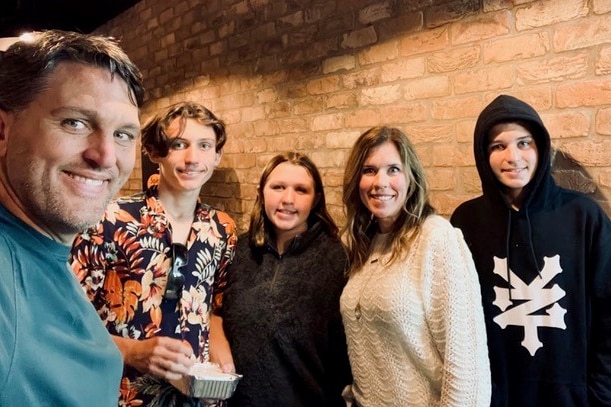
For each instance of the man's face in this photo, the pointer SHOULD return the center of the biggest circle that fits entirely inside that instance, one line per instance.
(513, 157)
(69, 152)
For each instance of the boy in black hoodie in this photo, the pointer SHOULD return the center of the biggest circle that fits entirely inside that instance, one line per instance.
(543, 255)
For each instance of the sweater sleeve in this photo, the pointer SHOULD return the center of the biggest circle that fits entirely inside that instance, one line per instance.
(340, 374)
(455, 316)
(599, 264)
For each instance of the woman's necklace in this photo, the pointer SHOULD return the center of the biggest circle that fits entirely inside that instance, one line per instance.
(357, 309)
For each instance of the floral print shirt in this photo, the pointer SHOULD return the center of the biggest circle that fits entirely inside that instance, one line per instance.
(122, 264)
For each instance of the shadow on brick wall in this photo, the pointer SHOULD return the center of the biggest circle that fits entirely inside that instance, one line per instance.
(568, 173)
(223, 191)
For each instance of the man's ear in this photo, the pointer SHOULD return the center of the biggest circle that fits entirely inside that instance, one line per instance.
(4, 128)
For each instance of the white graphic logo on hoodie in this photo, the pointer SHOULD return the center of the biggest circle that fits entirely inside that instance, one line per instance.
(531, 298)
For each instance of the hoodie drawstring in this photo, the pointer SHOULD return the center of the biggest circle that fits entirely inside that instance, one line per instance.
(531, 245)
(507, 249)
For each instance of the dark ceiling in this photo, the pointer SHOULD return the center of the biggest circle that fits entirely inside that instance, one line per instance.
(18, 16)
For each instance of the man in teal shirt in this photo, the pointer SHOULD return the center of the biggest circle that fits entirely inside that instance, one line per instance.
(69, 129)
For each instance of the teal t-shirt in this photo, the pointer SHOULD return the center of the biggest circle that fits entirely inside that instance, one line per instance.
(54, 349)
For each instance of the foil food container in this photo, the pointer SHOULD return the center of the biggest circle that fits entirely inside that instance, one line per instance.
(207, 383)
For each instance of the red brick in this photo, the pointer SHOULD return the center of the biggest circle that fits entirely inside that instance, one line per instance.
(453, 60)
(601, 6)
(293, 125)
(445, 203)
(310, 141)
(589, 153)
(400, 114)
(226, 29)
(456, 108)
(308, 106)
(277, 110)
(495, 5)
(539, 97)
(321, 49)
(360, 38)
(589, 93)
(379, 53)
(363, 78)
(235, 116)
(430, 133)
(521, 47)
(363, 118)
(481, 28)
(266, 95)
(449, 11)
(324, 85)
(265, 128)
(319, 10)
(375, 12)
(603, 62)
(604, 179)
(451, 156)
(324, 159)
(342, 100)
(554, 69)
(546, 13)
(399, 25)
(327, 122)
(380, 95)
(341, 138)
(239, 160)
(464, 131)
(423, 42)
(235, 100)
(470, 180)
(277, 73)
(440, 179)
(292, 20)
(344, 62)
(430, 87)
(603, 122)
(567, 124)
(403, 68)
(585, 32)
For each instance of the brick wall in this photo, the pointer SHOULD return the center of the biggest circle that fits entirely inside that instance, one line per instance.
(312, 75)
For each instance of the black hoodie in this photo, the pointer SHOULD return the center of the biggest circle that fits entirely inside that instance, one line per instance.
(548, 317)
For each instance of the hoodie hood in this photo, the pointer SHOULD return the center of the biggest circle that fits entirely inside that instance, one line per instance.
(508, 109)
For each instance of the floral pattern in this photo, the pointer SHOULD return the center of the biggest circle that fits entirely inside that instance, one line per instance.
(123, 263)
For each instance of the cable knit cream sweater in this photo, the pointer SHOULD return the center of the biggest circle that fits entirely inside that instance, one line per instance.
(415, 328)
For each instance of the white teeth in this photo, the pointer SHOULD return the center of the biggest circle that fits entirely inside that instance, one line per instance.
(382, 197)
(191, 172)
(88, 181)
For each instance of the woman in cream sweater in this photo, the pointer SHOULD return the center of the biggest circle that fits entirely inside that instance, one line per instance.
(412, 308)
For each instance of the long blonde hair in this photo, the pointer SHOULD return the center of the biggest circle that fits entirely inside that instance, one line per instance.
(360, 225)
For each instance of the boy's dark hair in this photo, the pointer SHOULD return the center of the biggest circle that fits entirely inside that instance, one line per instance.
(155, 138)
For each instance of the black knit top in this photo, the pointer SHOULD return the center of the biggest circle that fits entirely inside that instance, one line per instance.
(281, 317)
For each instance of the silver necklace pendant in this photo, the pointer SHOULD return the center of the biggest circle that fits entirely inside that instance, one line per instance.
(357, 311)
